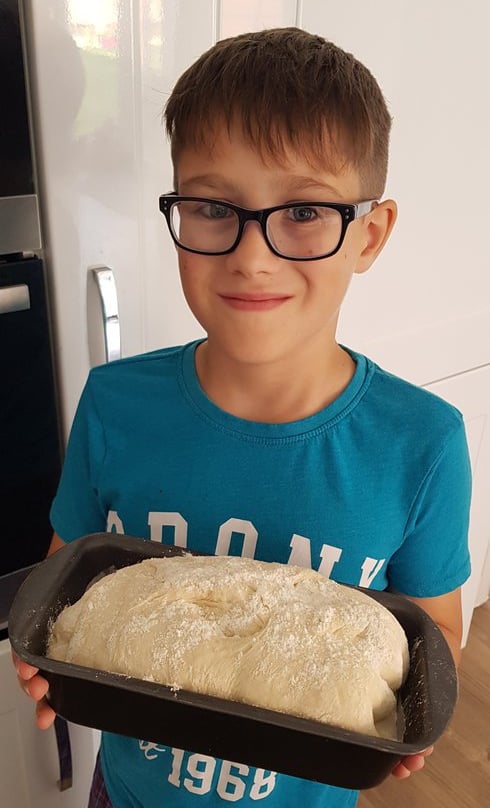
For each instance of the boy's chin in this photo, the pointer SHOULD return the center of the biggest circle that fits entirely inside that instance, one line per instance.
(251, 352)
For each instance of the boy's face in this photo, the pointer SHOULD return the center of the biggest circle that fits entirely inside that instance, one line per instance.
(255, 306)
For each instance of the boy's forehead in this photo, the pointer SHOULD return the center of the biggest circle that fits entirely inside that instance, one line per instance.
(231, 158)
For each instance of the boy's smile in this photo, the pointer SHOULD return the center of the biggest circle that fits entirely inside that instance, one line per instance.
(254, 301)
(259, 309)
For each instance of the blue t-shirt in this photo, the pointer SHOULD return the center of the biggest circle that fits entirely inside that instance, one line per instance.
(373, 490)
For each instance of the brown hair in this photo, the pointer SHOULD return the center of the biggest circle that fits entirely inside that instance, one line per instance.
(286, 87)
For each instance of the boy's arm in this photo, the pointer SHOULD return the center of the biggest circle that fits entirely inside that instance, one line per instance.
(31, 683)
(446, 612)
(56, 544)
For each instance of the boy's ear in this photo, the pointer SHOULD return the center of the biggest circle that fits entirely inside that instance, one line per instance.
(377, 229)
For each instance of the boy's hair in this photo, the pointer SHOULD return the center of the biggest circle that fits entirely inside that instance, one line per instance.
(286, 88)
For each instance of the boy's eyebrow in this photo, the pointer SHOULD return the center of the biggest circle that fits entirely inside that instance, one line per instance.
(298, 183)
(210, 181)
(290, 183)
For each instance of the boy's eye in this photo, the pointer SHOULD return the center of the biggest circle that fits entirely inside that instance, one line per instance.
(214, 210)
(302, 214)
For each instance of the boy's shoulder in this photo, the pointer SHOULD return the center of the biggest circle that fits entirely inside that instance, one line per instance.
(410, 405)
(160, 361)
(140, 381)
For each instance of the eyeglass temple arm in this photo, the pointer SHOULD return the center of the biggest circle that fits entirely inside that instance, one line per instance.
(365, 207)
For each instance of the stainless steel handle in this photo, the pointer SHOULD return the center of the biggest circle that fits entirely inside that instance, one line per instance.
(104, 346)
(14, 298)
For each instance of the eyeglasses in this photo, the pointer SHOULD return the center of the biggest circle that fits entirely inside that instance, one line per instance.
(305, 231)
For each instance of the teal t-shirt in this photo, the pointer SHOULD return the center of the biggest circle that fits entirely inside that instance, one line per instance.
(373, 491)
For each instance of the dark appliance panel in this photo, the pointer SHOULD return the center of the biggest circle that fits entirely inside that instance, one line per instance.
(19, 214)
(30, 448)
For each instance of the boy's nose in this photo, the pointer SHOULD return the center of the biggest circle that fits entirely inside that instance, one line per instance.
(253, 255)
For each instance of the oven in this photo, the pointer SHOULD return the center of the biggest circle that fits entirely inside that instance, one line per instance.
(30, 447)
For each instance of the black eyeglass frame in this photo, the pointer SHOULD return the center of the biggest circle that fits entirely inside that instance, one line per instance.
(348, 212)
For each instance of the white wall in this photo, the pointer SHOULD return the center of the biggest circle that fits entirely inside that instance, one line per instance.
(429, 294)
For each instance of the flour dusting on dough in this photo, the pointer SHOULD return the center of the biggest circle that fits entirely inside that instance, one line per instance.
(272, 635)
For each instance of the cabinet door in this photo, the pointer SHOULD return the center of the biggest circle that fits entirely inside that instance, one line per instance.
(423, 309)
(240, 16)
(29, 768)
(470, 392)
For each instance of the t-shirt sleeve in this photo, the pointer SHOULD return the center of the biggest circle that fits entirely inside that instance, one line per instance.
(77, 509)
(434, 557)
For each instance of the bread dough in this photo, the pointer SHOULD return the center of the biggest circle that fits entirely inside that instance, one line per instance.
(272, 635)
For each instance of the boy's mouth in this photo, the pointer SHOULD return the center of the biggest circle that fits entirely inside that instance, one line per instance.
(254, 302)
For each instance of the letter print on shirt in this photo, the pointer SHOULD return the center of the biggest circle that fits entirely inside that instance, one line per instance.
(157, 520)
(242, 526)
(370, 569)
(151, 750)
(114, 523)
(300, 554)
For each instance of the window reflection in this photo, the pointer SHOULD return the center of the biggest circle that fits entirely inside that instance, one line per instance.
(116, 41)
(94, 24)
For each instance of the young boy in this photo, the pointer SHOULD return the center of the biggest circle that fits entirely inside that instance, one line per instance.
(269, 439)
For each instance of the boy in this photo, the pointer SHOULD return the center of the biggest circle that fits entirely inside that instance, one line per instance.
(268, 439)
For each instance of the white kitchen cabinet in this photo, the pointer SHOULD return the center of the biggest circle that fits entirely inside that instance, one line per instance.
(424, 307)
(470, 393)
(29, 769)
(239, 16)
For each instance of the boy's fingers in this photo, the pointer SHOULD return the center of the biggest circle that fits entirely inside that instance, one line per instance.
(400, 772)
(44, 714)
(36, 688)
(412, 763)
(24, 670)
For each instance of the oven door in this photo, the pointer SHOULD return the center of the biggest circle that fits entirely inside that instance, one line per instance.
(19, 215)
(30, 448)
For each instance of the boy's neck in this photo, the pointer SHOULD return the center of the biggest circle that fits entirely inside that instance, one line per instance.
(276, 392)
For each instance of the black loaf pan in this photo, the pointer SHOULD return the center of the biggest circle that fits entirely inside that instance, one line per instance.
(212, 726)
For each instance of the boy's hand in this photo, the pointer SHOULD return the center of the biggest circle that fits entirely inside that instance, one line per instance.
(36, 687)
(412, 763)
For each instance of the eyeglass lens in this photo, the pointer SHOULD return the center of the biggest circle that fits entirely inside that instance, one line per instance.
(303, 231)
